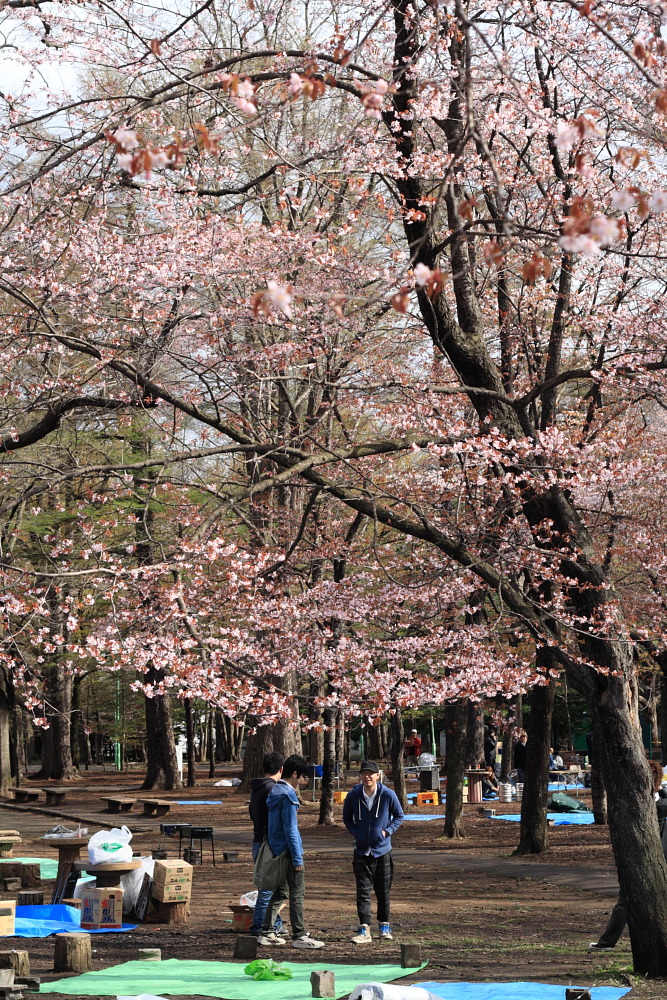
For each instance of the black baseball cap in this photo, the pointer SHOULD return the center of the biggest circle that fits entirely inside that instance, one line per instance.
(369, 765)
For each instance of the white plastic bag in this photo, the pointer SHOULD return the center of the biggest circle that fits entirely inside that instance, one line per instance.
(249, 898)
(132, 882)
(110, 845)
(390, 991)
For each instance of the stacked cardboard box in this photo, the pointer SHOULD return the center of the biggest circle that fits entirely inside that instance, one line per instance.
(7, 917)
(102, 908)
(172, 881)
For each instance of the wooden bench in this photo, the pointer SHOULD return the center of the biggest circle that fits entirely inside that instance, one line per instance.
(55, 796)
(155, 807)
(117, 805)
(24, 794)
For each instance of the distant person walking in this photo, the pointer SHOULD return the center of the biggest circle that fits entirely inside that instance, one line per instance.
(371, 813)
(413, 747)
(283, 835)
(520, 755)
(272, 766)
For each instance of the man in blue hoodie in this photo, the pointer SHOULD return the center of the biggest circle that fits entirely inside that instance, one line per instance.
(371, 813)
(283, 835)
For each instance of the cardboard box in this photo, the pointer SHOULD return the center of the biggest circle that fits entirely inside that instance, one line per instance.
(172, 873)
(171, 893)
(7, 917)
(102, 908)
(241, 917)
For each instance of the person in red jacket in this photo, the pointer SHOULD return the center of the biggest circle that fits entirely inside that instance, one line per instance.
(413, 747)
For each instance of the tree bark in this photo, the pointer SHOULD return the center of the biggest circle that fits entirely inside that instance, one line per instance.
(162, 765)
(598, 791)
(259, 743)
(397, 738)
(533, 838)
(326, 801)
(456, 720)
(475, 734)
(190, 741)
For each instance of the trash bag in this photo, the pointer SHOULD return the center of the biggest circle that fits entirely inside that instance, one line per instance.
(110, 845)
(562, 803)
(249, 898)
(265, 969)
(132, 882)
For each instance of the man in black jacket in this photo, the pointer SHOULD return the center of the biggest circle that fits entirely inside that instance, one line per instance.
(272, 765)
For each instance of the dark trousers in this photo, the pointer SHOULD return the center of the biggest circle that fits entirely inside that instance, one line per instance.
(373, 874)
(294, 886)
(616, 926)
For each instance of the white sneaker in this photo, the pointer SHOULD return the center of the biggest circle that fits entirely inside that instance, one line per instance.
(363, 935)
(269, 939)
(306, 941)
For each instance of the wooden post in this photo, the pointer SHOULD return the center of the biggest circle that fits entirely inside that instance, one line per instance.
(73, 953)
(323, 984)
(19, 961)
(30, 897)
(173, 913)
(411, 956)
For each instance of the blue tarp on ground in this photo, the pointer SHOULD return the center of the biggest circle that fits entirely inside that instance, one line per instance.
(419, 819)
(560, 819)
(515, 991)
(556, 786)
(42, 921)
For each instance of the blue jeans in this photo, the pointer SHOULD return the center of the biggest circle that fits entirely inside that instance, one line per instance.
(263, 900)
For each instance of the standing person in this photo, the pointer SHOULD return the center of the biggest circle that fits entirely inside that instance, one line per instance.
(520, 754)
(283, 835)
(618, 917)
(490, 746)
(371, 813)
(272, 766)
(413, 747)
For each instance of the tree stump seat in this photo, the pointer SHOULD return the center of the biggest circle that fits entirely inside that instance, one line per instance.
(116, 804)
(7, 840)
(155, 807)
(55, 796)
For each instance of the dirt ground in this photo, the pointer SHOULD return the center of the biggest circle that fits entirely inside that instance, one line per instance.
(480, 926)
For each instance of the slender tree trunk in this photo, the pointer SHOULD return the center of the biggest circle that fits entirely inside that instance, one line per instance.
(238, 732)
(340, 737)
(210, 726)
(326, 801)
(190, 741)
(475, 734)
(533, 837)
(397, 738)
(598, 791)
(456, 720)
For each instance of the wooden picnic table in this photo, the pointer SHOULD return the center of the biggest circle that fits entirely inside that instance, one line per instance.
(55, 796)
(117, 804)
(109, 873)
(156, 807)
(474, 776)
(69, 850)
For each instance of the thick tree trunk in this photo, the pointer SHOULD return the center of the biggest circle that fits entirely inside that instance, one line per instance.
(533, 838)
(190, 741)
(259, 743)
(162, 765)
(475, 734)
(397, 737)
(326, 801)
(340, 737)
(456, 720)
(59, 714)
(634, 831)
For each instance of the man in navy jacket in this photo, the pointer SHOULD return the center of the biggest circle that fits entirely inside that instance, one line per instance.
(371, 813)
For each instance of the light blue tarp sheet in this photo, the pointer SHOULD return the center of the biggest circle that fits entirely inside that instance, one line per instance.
(419, 819)
(557, 786)
(515, 991)
(560, 819)
(42, 921)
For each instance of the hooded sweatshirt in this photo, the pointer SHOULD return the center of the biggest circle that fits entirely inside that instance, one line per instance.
(366, 825)
(283, 831)
(259, 791)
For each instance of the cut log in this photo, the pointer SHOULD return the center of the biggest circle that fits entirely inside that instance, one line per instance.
(17, 960)
(30, 897)
(29, 874)
(173, 913)
(73, 953)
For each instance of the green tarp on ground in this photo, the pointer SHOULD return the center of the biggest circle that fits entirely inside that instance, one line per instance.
(219, 979)
(48, 867)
